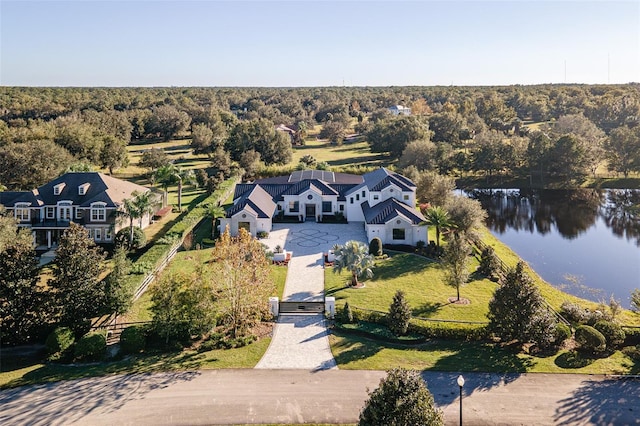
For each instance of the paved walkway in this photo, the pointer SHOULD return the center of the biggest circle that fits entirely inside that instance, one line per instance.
(301, 341)
(335, 396)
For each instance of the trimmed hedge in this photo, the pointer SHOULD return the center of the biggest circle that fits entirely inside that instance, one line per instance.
(132, 340)
(590, 339)
(91, 346)
(428, 329)
(59, 340)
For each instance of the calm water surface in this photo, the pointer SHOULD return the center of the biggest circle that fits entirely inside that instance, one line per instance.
(585, 241)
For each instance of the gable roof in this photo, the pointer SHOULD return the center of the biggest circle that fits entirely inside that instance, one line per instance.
(389, 209)
(101, 188)
(256, 200)
(381, 178)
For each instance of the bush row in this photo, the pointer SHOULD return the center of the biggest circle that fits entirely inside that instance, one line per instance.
(62, 346)
(426, 328)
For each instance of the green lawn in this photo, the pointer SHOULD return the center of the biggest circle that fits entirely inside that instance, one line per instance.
(30, 372)
(352, 154)
(358, 353)
(423, 283)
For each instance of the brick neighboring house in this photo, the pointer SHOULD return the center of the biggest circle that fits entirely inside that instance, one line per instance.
(383, 201)
(90, 199)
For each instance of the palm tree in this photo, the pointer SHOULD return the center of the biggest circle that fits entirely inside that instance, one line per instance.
(354, 257)
(144, 205)
(438, 218)
(130, 211)
(214, 212)
(170, 174)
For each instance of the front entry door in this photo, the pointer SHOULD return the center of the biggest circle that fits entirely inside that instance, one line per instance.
(310, 212)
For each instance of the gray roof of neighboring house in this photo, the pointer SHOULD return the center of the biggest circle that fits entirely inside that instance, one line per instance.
(304, 185)
(102, 188)
(256, 200)
(387, 210)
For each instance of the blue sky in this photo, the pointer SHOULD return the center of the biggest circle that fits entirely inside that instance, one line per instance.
(317, 43)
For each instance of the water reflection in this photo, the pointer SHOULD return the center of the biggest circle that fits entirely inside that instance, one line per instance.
(570, 213)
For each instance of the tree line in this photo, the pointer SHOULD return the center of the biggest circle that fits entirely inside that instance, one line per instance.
(459, 129)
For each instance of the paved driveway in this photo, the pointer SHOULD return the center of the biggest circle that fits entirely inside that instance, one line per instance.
(300, 341)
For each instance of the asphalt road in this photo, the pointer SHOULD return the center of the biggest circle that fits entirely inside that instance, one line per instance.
(331, 396)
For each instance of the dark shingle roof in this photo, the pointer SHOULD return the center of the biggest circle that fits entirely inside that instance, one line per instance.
(390, 208)
(101, 188)
(378, 179)
(257, 200)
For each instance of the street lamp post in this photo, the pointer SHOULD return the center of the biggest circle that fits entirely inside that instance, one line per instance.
(460, 384)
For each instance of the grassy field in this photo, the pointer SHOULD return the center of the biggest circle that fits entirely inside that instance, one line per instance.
(423, 283)
(28, 371)
(359, 353)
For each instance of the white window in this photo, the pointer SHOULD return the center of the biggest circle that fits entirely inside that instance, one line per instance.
(50, 212)
(22, 212)
(98, 212)
(64, 210)
(79, 213)
(82, 189)
(108, 234)
(97, 234)
(406, 197)
(375, 196)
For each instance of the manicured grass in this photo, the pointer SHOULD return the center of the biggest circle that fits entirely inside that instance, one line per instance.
(422, 281)
(245, 357)
(351, 154)
(358, 353)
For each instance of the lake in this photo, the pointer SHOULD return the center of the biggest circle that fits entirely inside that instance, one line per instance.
(584, 241)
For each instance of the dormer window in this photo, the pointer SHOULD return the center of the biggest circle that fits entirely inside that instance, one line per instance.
(58, 188)
(82, 189)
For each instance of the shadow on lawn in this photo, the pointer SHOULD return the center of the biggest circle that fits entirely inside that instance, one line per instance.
(610, 401)
(399, 265)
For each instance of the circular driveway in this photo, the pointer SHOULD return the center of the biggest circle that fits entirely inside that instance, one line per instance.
(311, 237)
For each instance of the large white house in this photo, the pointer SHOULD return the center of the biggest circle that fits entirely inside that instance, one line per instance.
(383, 201)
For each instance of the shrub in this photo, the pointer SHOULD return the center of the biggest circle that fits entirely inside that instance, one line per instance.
(399, 314)
(346, 315)
(402, 398)
(574, 312)
(122, 238)
(632, 336)
(489, 263)
(612, 332)
(132, 340)
(59, 341)
(563, 332)
(141, 268)
(632, 352)
(449, 331)
(262, 234)
(91, 347)
(375, 247)
(635, 300)
(590, 339)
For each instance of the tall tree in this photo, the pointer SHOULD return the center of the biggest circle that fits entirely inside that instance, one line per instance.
(153, 159)
(29, 164)
(243, 280)
(394, 135)
(517, 310)
(456, 261)
(129, 211)
(77, 289)
(167, 121)
(623, 150)
(22, 300)
(466, 214)
(182, 305)
(434, 188)
(214, 212)
(119, 293)
(401, 399)
(114, 153)
(354, 257)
